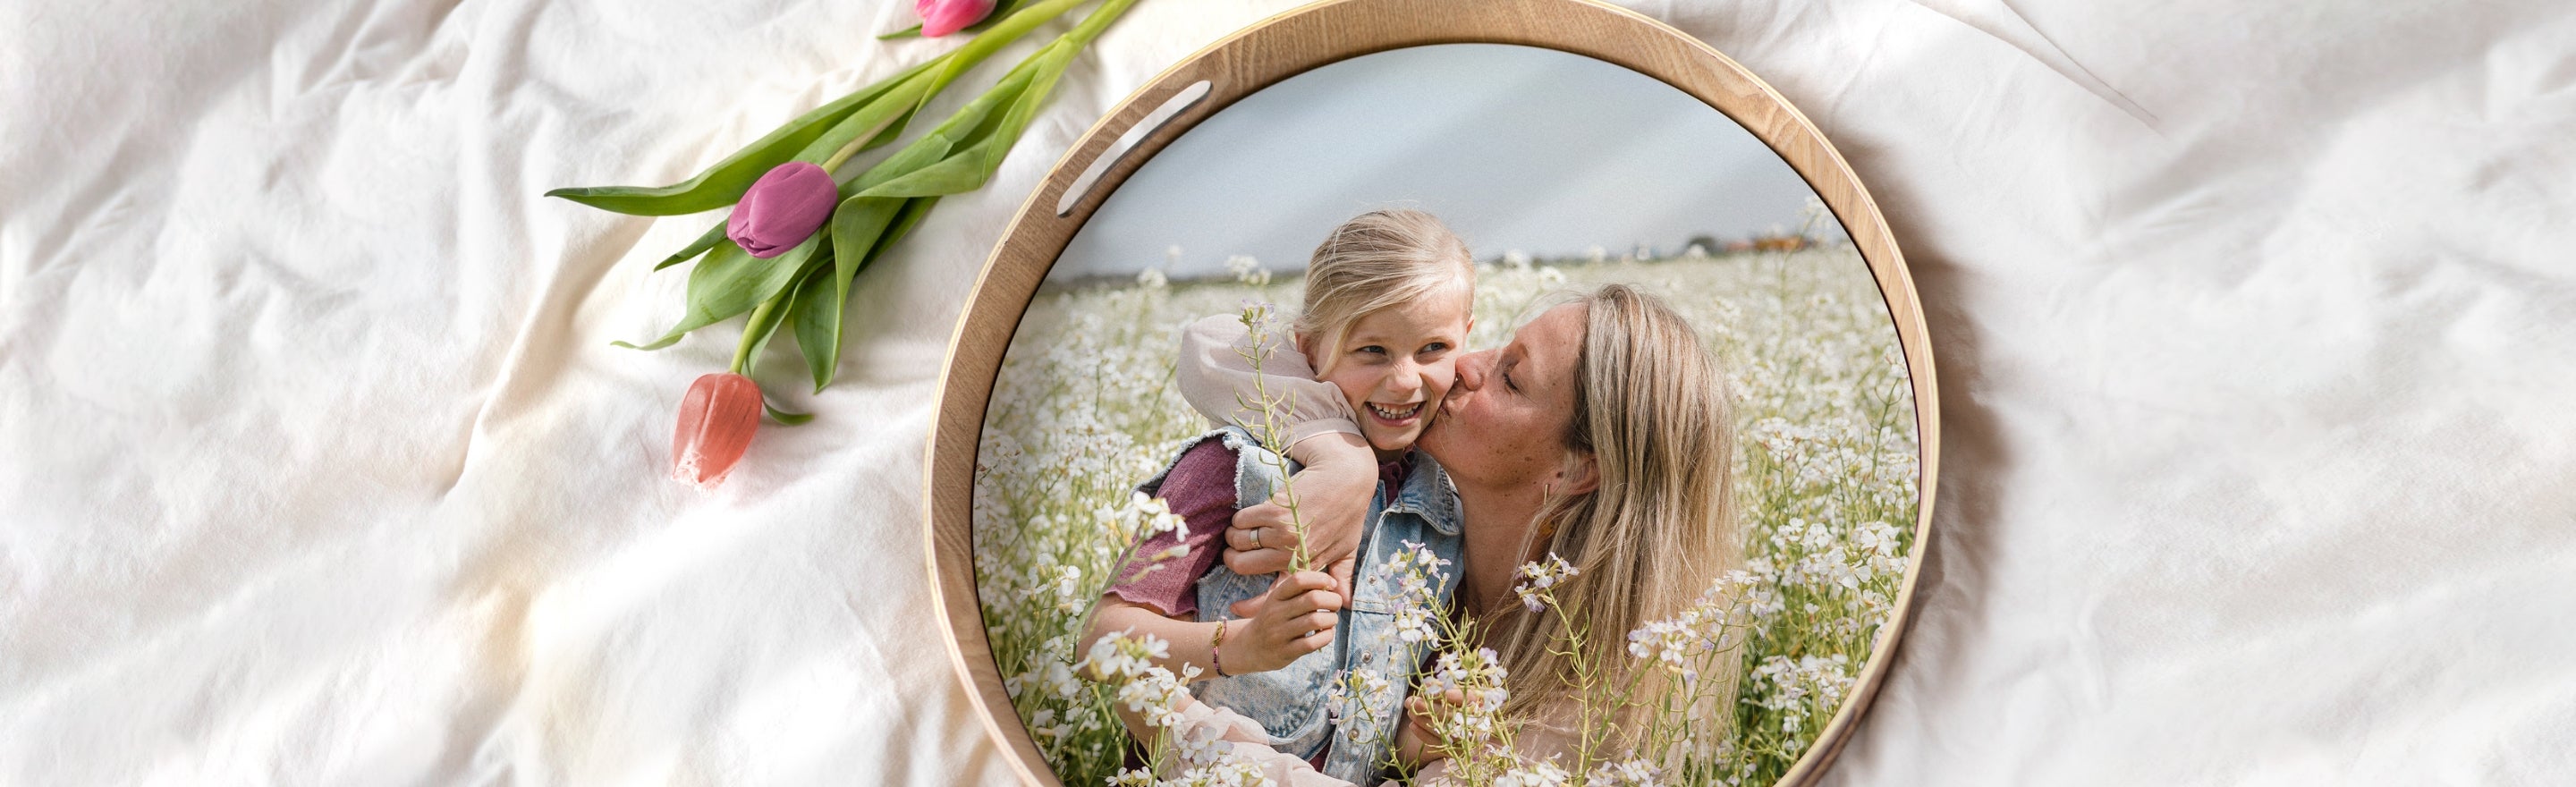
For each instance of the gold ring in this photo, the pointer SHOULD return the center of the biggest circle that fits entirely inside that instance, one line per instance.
(1256, 539)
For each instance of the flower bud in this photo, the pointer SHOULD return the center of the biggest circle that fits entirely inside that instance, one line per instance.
(717, 418)
(942, 17)
(782, 209)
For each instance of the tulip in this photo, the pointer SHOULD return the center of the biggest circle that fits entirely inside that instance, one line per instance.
(783, 208)
(942, 17)
(717, 419)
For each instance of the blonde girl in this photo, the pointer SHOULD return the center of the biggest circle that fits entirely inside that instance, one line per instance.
(1387, 307)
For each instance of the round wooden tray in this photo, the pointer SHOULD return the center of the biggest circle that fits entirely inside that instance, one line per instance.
(1293, 43)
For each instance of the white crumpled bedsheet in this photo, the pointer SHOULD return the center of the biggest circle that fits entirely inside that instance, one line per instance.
(2256, 327)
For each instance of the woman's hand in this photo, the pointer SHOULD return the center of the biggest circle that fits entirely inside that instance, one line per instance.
(1295, 618)
(1416, 742)
(1333, 493)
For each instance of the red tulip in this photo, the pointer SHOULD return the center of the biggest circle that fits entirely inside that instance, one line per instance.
(942, 17)
(782, 209)
(717, 419)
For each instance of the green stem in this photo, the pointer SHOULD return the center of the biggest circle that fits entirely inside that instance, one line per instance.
(1099, 20)
(992, 40)
(742, 352)
(976, 50)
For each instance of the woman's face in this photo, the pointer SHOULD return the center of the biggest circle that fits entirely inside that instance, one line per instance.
(1504, 421)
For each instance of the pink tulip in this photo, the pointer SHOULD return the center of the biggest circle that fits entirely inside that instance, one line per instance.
(717, 419)
(942, 17)
(782, 209)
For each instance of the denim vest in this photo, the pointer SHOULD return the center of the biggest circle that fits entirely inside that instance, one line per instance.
(1291, 702)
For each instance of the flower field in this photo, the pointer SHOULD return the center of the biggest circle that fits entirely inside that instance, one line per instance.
(1084, 410)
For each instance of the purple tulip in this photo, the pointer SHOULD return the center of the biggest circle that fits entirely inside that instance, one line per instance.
(782, 209)
(942, 17)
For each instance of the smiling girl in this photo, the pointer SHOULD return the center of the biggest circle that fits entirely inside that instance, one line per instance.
(1386, 310)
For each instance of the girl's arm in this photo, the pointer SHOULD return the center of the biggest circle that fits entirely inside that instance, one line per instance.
(1295, 618)
(1333, 490)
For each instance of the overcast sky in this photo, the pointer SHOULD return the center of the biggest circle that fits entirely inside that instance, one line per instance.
(1517, 148)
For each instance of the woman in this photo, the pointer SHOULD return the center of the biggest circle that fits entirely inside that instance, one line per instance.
(1602, 434)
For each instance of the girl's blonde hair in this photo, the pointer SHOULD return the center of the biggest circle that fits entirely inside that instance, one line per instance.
(1380, 259)
(1653, 413)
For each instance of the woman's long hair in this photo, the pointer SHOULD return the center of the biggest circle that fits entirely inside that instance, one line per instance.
(1654, 414)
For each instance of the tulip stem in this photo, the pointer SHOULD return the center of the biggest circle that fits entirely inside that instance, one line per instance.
(751, 338)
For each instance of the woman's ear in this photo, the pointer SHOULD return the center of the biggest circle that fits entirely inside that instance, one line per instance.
(1580, 476)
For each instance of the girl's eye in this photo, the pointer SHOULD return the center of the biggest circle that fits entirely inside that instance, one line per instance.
(1371, 350)
(1435, 348)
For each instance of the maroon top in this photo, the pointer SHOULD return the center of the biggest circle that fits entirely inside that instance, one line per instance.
(1200, 489)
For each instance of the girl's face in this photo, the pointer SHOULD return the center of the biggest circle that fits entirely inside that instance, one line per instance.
(1504, 424)
(1396, 365)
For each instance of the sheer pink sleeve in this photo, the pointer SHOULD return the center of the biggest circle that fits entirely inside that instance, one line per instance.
(1216, 377)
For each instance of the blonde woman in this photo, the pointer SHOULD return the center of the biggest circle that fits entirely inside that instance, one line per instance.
(1602, 434)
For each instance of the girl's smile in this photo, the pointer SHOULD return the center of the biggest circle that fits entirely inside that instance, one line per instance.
(1395, 416)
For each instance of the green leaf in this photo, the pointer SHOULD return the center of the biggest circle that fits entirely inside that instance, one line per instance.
(817, 327)
(950, 172)
(785, 417)
(765, 320)
(714, 235)
(913, 212)
(730, 281)
(984, 44)
(666, 341)
(723, 184)
(856, 228)
(877, 123)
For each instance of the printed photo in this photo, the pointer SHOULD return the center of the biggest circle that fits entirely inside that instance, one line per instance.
(1472, 412)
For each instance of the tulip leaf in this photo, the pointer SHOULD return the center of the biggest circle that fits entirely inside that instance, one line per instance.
(877, 123)
(784, 417)
(730, 281)
(772, 313)
(665, 341)
(989, 138)
(984, 44)
(817, 328)
(715, 235)
(913, 212)
(765, 321)
(723, 184)
(857, 226)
